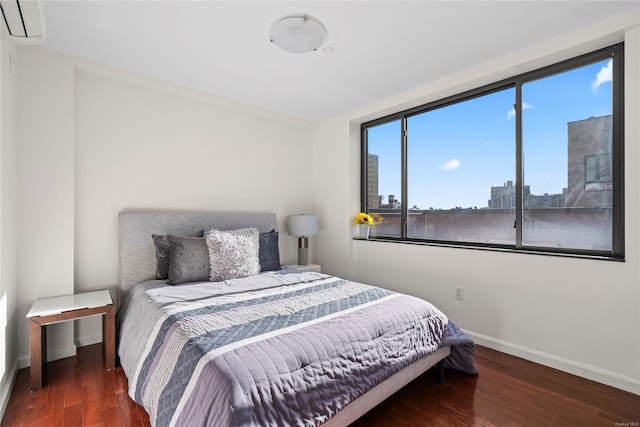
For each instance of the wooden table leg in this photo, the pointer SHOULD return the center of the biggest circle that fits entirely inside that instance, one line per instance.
(38, 337)
(109, 337)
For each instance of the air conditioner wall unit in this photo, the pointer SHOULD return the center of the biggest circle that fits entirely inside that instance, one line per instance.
(23, 21)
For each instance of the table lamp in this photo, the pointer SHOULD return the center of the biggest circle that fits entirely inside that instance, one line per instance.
(302, 226)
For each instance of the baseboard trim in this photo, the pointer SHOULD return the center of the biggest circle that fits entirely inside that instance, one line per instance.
(7, 388)
(55, 354)
(566, 365)
(88, 340)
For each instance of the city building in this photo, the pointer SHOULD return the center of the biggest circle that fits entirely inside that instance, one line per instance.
(589, 163)
(372, 182)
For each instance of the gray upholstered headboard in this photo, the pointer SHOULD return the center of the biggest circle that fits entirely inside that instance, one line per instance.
(137, 252)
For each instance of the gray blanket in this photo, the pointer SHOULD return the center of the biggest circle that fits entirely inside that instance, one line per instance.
(274, 349)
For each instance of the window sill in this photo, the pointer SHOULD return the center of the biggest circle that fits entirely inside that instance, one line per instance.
(497, 248)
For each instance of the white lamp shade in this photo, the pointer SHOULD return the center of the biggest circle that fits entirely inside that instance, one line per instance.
(302, 225)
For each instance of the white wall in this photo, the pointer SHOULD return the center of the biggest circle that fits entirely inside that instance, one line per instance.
(581, 316)
(8, 221)
(45, 191)
(137, 143)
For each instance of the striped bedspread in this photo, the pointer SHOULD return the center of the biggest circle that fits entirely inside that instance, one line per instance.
(276, 349)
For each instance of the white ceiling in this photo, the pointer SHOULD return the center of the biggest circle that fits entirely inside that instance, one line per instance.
(380, 48)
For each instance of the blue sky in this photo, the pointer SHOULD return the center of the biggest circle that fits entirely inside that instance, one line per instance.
(457, 153)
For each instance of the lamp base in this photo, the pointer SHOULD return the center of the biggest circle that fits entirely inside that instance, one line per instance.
(303, 251)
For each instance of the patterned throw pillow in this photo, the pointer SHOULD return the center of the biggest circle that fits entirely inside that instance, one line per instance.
(233, 254)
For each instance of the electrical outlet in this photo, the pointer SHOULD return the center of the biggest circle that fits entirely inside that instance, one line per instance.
(459, 292)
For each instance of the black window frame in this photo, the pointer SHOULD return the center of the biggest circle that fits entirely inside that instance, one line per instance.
(617, 252)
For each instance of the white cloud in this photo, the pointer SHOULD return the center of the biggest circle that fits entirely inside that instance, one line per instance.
(512, 113)
(603, 76)
(450, 165)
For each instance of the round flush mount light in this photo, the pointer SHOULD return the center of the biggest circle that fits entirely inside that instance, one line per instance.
(298, 33)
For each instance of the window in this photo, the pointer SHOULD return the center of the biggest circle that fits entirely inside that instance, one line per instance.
(597, 172)
(532, 163)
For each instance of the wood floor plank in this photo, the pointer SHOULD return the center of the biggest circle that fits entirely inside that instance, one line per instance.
(111, 417)
(15, 416)
(508, 392)
(105, 390)
(39, 398)
(54, 413)
(91, 411)
(72, 392)
(35, 416)
(144, 416)
(119, 382)
(73, 415)
(128, 410)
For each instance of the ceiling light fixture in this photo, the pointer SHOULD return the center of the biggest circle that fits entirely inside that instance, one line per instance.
(298, 33)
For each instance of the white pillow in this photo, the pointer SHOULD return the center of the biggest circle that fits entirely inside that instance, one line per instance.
(233, 254)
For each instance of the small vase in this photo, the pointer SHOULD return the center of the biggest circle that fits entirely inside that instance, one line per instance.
(364, 231)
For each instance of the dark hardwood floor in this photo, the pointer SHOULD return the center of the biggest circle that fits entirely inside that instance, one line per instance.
(507, 392)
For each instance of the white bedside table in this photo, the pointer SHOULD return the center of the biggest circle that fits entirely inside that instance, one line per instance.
(309, 267)
(46, 311)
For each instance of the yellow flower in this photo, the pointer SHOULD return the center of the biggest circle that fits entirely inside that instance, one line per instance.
(364, 218)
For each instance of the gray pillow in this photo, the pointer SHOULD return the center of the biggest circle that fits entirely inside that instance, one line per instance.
(269, 251)
(188, 259)
(162, 253)
(233, 254)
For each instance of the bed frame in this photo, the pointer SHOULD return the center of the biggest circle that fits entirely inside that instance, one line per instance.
(138, 263)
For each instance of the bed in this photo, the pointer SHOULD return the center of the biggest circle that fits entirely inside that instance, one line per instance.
(282, 347)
